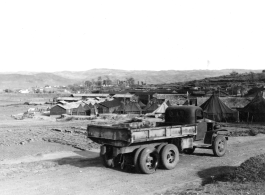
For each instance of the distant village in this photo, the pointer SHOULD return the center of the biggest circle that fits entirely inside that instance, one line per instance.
(232, 96)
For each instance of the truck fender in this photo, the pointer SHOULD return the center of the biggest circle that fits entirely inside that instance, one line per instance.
(211, 135)
(223, 132)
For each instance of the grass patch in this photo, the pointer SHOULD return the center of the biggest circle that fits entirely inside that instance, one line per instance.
(244, 129)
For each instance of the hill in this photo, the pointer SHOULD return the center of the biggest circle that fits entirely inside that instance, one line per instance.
(20, 80)
(150, 77)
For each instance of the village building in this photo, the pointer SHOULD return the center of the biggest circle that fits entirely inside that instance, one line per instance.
(151, 106)
(89, 108)
(219, 93)
(130, 108)
(90, 95)
(79, 110)
(24, 91)
(109, 106)
(141, 104)
(198, 93)
(60, 109)
(174, 99)
(126, 97)
(68, 99)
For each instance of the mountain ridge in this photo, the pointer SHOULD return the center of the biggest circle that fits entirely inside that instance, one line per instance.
(27, 79)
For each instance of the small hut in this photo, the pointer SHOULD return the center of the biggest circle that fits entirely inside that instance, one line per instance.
(129, 108)
(60, 109)
(151, 107)
(109, 106)
(79, 110)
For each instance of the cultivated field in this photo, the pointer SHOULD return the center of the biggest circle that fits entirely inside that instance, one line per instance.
(39, 155)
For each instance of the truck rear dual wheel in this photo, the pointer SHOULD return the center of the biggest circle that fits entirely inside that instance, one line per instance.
(106, 156)
(136, 160)
(148, 160)
(219, 146)
(159, 149)
(169, 156)
(107, 161)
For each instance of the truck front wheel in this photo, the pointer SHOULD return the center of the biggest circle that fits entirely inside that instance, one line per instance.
(148, 160)
(169, 156)
(219, 146)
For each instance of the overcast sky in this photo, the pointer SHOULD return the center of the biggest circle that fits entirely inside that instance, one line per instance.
(56, 35)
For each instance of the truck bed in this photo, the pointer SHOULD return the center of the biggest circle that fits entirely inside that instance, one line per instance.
(122, 136)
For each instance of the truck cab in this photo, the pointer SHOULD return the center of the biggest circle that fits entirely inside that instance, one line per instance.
(183, 115)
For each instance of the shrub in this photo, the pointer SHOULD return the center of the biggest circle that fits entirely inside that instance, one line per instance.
(253, 132)
(252, 170)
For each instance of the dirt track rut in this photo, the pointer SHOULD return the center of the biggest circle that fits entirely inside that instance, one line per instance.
(80, 172)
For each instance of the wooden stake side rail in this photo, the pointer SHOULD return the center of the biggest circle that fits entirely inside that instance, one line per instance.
(119, 136)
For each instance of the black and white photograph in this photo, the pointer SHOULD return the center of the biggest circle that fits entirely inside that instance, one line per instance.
(116, 97)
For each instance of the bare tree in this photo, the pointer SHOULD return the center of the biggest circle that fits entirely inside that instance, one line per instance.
(108, 81)
(130, 81)
(99, 82)
(88, 84)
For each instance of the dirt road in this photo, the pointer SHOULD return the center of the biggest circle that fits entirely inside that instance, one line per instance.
(65, 170)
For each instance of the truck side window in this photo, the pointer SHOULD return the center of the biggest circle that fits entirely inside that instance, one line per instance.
(199, 114)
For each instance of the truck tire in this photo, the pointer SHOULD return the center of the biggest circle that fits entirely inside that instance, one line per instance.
(148, 160)
(106, 156)
(107, 161)
(169, 156)
(188, 150)
(219, 146)
(159, 150)
(136, 160)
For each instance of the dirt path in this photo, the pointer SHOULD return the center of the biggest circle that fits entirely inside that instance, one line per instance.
(68, 171)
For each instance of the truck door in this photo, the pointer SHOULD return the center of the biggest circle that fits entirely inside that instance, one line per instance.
(202, 125)
(201, 130)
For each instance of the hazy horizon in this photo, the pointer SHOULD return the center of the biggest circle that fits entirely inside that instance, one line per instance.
(7, 72)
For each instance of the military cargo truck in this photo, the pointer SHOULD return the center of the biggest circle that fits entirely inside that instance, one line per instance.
(184, 129)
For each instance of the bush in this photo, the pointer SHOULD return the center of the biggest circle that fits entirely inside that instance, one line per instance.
(253, 132)
(252, 170)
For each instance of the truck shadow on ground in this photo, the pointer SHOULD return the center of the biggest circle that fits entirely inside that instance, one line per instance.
(199, 154)
(81, 160)
(89, 159)
(214, 174)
